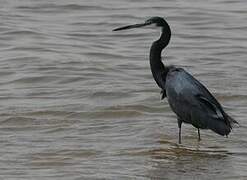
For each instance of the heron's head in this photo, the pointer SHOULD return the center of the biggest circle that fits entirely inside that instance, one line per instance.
(158, 21)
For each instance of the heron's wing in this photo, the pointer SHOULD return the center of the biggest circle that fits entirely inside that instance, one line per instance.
(187, 97)
(194, 104)
(206, 99)
(219, 113)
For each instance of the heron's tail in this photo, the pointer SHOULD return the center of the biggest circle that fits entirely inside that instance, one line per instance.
(231, 121)
(222, 127)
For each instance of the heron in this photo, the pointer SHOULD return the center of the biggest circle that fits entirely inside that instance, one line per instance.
(189, 99)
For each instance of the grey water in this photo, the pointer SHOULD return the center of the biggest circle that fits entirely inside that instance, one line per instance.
(78, 101)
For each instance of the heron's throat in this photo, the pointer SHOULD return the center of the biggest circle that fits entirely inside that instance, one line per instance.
(157, 67)
(157, 47)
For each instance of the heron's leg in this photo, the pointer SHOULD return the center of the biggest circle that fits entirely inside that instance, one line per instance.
(179, 136)
(179, 133)
(199, 135)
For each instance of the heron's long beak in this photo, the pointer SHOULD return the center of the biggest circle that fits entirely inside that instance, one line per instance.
(131, 26)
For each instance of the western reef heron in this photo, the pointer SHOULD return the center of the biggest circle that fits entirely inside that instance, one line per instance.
(188, 98)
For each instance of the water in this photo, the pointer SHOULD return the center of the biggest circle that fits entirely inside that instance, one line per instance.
(77, 101)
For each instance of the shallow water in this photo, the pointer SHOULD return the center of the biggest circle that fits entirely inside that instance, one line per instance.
(77, 101)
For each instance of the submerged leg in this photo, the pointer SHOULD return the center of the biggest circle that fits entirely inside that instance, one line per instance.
(199, 135)
(179, 133)
(179, 136)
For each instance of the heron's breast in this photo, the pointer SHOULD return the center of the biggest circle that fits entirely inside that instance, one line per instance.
(175, 81)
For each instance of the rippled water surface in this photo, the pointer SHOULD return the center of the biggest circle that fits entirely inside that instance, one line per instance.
(77, 101)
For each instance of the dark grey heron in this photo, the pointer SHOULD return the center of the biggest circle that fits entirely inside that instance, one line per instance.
(188, 98)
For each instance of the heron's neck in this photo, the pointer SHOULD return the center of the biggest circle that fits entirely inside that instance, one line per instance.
(157, 67)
